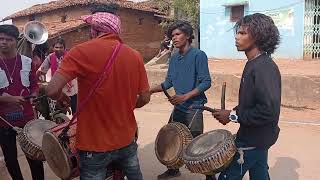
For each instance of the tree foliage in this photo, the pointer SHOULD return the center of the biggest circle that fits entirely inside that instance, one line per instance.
(183, 9)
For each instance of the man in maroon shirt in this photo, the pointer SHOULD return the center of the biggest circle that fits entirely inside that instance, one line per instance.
(17, 80)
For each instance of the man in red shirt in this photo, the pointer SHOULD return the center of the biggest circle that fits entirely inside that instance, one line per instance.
(106, 127)
(17, 79)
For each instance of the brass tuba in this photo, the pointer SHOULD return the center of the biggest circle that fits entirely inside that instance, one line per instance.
(35, 32)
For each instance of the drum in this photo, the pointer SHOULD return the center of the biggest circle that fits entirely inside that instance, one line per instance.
(171, 140)
(47, 107)
(210, 152)
(42, 105)
(30, 138)
(62, 156)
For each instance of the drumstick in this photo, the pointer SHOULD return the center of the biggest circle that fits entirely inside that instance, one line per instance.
(6, 122)
(165, 92)
(39, 97)
(34, 98)
(206, 108)
(29, 97)
(223, 95)
(191, 107)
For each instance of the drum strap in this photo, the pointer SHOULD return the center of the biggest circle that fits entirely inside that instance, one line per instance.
(171, 117)
(193, 118)
(169, 97)
(191, 122)
(107, 68)
(241, 153)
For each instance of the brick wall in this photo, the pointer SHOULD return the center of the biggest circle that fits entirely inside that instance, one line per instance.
(73, 38)
(140, 30)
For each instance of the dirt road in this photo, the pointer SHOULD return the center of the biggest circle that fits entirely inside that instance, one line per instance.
(294, 157)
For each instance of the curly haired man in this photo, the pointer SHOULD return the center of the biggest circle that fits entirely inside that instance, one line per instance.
(259, 99)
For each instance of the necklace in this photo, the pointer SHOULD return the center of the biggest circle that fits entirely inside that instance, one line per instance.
(14, 68)
(257, 55)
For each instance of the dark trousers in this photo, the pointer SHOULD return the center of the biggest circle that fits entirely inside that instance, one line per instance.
(9, 149)
(255, 161)
(194, 119)
(73, 103)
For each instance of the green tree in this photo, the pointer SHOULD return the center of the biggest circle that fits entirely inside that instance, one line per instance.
(182, 9)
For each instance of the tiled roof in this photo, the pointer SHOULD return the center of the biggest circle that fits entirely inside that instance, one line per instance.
(57, 29)
(147, 6)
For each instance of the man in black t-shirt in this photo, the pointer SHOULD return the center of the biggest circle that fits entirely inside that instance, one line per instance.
(259, 99)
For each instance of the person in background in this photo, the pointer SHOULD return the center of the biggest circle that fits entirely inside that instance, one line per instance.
(52, 62)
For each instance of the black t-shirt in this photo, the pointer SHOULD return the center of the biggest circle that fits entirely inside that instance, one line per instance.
(259, 103)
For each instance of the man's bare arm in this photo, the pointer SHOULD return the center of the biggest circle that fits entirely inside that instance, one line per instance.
(143, 99)
(54, 88)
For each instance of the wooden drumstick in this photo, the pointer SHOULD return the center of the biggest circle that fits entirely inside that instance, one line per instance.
(17, 129)
(205, 108)
(165, 92)
(223, 95)
(5, 121)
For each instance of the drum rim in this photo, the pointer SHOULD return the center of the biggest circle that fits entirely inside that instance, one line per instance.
(27, 142)
(156, 149)
(25, 132)
(24, 142)
(65, 158)
(201, 163)
(189, 157)
(175, 161)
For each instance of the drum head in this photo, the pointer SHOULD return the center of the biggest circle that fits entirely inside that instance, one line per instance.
(35, 129)
(169, 143)
(206, 144)
(56, 156)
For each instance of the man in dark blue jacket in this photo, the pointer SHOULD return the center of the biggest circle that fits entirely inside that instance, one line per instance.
(189, 75)
(259, 99)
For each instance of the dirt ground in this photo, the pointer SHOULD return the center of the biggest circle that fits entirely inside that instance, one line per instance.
(235, 67)
(287, 67)
(293, 157)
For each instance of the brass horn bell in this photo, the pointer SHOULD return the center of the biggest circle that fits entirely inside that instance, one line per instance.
(35, 32)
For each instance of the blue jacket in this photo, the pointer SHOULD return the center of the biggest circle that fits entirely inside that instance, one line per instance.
(186, 73)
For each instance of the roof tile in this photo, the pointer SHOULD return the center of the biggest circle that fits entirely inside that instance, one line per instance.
(148, 6)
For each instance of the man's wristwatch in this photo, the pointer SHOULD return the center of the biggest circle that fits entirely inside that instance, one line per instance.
(233, 116)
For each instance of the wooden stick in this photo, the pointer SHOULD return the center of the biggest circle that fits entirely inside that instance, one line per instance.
(223, 95)
(165, 91)
(206, 108)
(6, 122)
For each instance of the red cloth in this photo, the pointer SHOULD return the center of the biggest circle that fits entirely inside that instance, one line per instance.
(54, 62)
(54, 67)
(103, 22)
